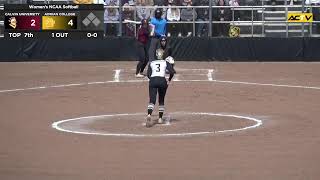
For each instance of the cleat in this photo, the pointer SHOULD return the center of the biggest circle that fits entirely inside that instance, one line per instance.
(160, 121)
(149, 122)
(139, 75)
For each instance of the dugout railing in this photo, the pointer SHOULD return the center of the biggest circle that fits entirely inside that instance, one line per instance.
(253, 21)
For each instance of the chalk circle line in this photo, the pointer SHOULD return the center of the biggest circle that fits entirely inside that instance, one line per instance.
(117, 80)
(57, 125)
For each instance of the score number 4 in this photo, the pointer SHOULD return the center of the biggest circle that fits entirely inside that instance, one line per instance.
(70, 23)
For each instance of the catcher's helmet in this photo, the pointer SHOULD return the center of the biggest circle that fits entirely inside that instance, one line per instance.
(163, 41)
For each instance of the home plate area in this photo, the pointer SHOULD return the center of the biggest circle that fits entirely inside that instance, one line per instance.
(181, 75)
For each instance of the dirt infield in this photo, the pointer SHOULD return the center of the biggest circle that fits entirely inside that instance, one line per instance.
(284, 96)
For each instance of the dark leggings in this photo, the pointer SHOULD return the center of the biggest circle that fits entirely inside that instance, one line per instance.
(157, 85)
(143, 57)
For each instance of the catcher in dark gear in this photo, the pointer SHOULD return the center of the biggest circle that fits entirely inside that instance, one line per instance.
(167, 51)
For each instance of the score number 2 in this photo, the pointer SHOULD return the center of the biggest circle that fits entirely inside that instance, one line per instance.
(33, 23)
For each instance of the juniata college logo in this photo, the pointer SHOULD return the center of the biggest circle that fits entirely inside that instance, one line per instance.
(300, 17)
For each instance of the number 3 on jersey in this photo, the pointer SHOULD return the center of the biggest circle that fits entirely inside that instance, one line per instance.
(158, 67)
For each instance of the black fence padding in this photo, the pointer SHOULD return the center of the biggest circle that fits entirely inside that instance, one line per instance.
(284, 49)
(257, 49)
(229, 49)
(189, 49)
(311, 48)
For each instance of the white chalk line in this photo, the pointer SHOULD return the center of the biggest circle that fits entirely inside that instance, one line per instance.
(178, 69)
(258, 122)
(69, 85)
(268, 84)
(210, 71)
(145, 80)
(176, 77)
(116, 77)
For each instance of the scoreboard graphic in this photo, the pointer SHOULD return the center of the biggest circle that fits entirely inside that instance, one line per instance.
(54, 21)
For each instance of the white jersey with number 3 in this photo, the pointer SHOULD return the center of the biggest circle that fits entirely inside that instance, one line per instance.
(158, 68)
